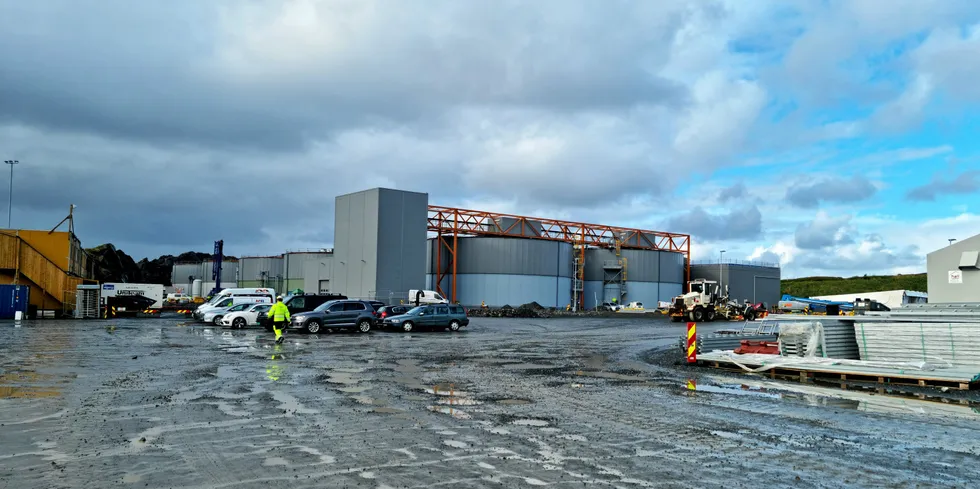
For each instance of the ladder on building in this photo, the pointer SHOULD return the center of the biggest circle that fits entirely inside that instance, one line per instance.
(578, 276)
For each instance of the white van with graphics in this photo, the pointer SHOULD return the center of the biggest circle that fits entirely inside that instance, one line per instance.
(233, 297)
(416, 297)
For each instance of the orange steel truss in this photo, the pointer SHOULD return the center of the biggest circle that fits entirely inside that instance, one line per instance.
(450, 223)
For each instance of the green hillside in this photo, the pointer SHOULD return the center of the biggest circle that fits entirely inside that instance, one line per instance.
(811, 286)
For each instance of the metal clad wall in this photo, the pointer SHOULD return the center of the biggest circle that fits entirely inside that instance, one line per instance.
(402, 228)
(356, 243)
(745, 282)
(252, 268)
(498, 290)
(938, 265)
(671, 268)
(229, 273)
(513, 256)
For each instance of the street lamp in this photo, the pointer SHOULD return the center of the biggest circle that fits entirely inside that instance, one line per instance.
(10, 201)
(721, 272)
(951, 240)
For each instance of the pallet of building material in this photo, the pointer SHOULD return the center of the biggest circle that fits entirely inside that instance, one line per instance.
(837, 371)
(894, 339)
(826, 337)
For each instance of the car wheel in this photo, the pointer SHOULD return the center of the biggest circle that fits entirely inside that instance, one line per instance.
(364, 325)
(750, 316)
(407, 326)
(710, 315)
(217, 320)
(313, 326)
(697, 315)
(238, 323)
(454, 325)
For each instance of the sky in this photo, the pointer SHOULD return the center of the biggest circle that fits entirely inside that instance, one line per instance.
(834, 137)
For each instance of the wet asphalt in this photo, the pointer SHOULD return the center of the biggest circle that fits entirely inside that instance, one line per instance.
(584, 402)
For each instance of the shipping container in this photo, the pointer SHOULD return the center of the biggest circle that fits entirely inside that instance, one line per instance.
(13, 298)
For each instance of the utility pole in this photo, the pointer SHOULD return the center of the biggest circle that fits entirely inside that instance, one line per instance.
(721, 273)
(10, 201)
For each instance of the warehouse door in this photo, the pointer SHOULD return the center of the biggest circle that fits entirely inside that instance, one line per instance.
(324, 286)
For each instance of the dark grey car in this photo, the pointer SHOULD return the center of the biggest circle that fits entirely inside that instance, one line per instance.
(338, 314)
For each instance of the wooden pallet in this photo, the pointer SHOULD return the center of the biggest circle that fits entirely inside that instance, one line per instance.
(841, 375)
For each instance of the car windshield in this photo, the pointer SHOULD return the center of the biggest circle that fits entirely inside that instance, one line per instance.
(324, 306)
(416, 310)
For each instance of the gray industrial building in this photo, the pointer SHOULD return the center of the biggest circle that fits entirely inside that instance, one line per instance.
(502, 271)
(954, 272)
(751, 281)
(379, 243)
(183, 275)
(309, 271)
(381, 251)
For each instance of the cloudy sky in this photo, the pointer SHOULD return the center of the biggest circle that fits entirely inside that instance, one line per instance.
(836, 137)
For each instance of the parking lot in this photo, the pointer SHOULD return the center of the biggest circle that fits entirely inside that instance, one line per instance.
(589, 402)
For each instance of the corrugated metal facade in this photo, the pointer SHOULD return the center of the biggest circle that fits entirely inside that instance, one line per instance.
(507, 271)
(651, 276)
(182, 271)
(379, 243)
(261, 271)
(744, 282)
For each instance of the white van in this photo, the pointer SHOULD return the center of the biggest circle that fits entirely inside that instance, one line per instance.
(416, 297)
(231, 297)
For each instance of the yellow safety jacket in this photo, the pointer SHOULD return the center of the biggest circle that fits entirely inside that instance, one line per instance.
(280, 311)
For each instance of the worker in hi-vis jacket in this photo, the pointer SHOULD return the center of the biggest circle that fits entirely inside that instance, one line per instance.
(280, 317)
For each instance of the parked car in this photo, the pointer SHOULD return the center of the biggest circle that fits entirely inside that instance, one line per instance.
(249, 317)
(388, 311)
(338, 314)
(441, 316)
(377, 305)
(301, 303)
(214, 315)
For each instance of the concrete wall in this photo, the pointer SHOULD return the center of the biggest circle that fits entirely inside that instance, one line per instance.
(940, 263)
(379, 242)
(745, 282)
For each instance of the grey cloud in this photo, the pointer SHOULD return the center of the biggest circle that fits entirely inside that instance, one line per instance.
(735, 192)
(739, 224)
(822, 232)
(876, 256)
(965, 183)
(837, 191)
(118, 69)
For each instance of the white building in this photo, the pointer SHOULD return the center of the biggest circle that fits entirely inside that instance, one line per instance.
(954, 272)
(894, 299)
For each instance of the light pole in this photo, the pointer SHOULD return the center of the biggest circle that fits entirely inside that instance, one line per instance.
(951, 240)
(10, 201)
(721, 273)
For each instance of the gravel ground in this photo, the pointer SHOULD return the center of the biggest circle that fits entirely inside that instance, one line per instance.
(583, 402)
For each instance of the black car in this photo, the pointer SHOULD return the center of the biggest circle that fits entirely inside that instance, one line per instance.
(301, 303)
(388, 311)
(339, 314)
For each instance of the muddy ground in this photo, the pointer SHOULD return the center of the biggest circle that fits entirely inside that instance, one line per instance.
(587, 402)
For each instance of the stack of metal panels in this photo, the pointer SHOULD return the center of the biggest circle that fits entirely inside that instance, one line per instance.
(729, 341)
(933, 333)
(837, 341)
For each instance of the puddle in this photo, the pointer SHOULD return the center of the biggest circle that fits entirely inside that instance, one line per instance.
(525, 366)
(455, 444)
(415, 398)
(386, 410)
(456, 413)
(369, 400)
(367, 475)
(132, 478)
(354, 389)
(341, 378)
(445, 390)
(274, 461)
(512, 402)
(530, 422)
(455, 401)
(612, 376)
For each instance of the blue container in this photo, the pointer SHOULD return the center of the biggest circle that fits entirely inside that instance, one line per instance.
(14, 298)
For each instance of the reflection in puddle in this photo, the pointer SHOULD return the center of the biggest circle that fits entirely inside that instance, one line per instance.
(456, 413)
(31, 385)
(530, 422)
(511, 402)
